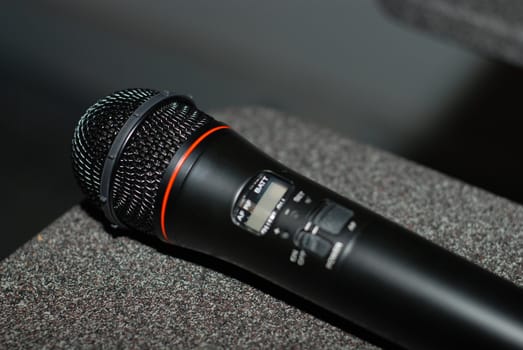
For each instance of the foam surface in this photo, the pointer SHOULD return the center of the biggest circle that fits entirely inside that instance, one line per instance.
(492, 26)
(78, 285)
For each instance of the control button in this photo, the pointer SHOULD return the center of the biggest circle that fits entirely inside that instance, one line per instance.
(316, 245)
(332, 218)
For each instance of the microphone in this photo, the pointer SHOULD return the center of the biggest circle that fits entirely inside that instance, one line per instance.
(154, 163)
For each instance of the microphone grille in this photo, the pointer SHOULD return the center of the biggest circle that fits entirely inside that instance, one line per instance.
(137, 175)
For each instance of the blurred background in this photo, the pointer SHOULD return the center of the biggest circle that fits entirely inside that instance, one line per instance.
(345, 65)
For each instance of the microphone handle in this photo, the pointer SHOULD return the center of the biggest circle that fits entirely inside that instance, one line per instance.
(372, 272)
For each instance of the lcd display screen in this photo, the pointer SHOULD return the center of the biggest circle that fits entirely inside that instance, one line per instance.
(263, 209)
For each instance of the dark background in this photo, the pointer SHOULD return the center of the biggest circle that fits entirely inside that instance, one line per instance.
(344, 65)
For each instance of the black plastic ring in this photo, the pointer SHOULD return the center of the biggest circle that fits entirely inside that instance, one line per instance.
(118, 145)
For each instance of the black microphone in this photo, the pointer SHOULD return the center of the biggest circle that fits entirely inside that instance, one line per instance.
(154, 163)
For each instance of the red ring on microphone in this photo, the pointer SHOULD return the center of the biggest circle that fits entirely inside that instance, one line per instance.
(177, 170)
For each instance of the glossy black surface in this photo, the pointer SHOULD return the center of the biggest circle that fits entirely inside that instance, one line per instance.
(386, 279)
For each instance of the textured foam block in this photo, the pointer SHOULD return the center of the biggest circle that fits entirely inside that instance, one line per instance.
(78, 285)
(494, 27)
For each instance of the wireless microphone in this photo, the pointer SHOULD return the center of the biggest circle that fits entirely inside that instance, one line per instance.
(154, 163)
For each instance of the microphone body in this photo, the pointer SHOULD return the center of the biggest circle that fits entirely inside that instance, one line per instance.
(372, 272)
(153, 162)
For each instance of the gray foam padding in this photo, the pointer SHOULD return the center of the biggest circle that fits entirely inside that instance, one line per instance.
(494, 27)
(75, 285)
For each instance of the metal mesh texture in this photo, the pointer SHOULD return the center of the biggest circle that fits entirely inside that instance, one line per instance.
(138, 174)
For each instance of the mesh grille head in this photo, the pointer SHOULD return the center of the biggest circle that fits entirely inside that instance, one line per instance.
(137, 176)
